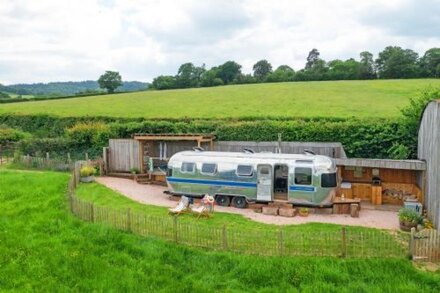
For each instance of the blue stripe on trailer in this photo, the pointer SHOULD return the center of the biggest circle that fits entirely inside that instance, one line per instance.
(302, 188)
(212, 182)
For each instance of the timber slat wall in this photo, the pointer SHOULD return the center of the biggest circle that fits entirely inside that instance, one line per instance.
(331, 149)
(383, 163)
(429, 150)
(123, 155)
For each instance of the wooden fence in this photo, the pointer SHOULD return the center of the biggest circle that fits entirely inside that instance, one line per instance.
(425, 245)
(46, 163)
(346, 242)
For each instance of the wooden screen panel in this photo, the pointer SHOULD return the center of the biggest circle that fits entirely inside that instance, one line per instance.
(386, 175)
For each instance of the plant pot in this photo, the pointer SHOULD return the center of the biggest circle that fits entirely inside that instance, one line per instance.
(87, 179)
(406, 226)
(303, 213)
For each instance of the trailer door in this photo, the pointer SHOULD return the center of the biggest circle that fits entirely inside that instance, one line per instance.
(264, 182)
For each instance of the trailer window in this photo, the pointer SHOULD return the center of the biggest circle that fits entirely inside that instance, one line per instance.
(188, 167)
(209, 169)
(328, 180)
(244, 170)
(303, 176)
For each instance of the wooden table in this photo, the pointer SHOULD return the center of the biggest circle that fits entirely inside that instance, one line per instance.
(349, 206)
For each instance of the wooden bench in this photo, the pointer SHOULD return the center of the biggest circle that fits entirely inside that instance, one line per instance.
(350, 206)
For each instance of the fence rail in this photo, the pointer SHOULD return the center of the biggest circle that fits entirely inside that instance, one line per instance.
(344, 243)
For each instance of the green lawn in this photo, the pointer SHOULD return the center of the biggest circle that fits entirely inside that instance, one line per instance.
(105, 197)
(242, 235)
(377, 98)
(43, 248)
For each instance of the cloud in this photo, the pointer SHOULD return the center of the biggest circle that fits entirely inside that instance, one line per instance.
(409, 19)
(52, 40)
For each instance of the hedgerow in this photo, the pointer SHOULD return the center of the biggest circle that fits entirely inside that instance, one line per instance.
(369, 138)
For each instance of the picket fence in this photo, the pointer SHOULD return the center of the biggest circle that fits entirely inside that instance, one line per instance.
(347, 242)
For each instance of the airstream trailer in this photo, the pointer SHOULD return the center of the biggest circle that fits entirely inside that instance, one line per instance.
(239, 178)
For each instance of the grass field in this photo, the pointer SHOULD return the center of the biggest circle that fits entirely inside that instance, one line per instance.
(376, 98)
(44, 248)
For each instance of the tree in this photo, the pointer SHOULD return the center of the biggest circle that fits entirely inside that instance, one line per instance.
(245, 78)
(395, 62)
(164, 82)
(282, 73)
(4, 96)
(188, 75)
(110, 80)
(312, 58)
(262, 69)
(409, 126)
(366, 67)
(343, 70)
(430, 63)
(229, 71)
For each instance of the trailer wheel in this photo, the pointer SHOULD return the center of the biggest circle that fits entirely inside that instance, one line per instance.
(222, 200)
(239, 202)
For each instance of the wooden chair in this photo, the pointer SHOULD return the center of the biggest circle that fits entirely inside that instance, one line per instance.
(205, 208)
(181, 208)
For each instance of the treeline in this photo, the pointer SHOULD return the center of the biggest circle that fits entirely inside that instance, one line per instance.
(67, 88)
(392, 63)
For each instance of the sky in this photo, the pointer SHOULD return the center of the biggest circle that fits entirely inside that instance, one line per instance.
(61, 40)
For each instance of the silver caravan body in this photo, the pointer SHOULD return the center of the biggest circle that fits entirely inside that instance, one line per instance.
(263, 177)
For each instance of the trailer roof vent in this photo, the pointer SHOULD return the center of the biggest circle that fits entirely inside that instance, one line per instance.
(309, 152)
(198, 149)
(248, 151)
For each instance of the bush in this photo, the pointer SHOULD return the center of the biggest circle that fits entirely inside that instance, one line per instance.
(409, 216)
(87, 171)
(89, 133)
(9, 135)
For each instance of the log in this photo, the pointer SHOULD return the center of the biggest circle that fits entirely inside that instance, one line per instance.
(354, 210)
(273, 211)
(285, 212)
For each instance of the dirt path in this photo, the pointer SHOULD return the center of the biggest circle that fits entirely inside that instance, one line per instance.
(153, 195)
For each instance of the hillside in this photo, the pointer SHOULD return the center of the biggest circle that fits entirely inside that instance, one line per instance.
(67, 88)
(374, 98)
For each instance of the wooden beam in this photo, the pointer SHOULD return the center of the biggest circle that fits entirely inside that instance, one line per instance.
(172, 138)
(141, 156)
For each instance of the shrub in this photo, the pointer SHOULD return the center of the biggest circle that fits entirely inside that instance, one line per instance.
(89, 133)
(10, 135)
(410, 216)
(87, 171)
(39, 146)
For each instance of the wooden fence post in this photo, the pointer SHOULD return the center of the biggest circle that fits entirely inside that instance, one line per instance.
(128, 219)
(225, 238)
(412, 242)
(280, 241)
(87, 157)
(344, 242)
(92, 213)
(175, 228)
(69, 160)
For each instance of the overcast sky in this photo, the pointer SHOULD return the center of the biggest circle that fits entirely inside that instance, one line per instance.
(60, 40)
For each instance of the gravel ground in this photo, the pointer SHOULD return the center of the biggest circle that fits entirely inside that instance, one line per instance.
(153, 194)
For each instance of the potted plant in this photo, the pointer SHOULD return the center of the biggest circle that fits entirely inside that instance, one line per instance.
(303, 212)
(408, 219)
(87, 174)
(134, 171)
